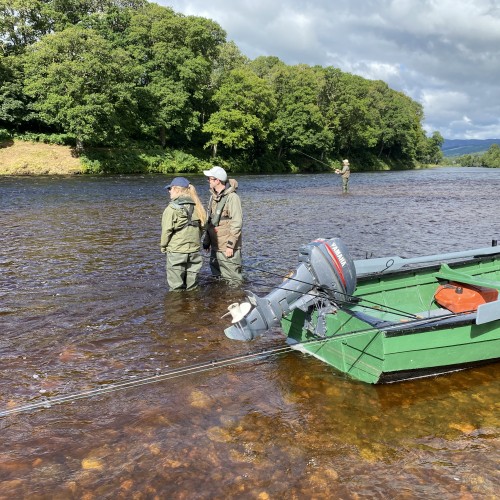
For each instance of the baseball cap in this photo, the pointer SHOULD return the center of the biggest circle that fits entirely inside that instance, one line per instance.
(217, 172)
(178, 181)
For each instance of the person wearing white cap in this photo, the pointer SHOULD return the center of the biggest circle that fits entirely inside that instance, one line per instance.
(345, 173)
(224, 226)
(182, 224)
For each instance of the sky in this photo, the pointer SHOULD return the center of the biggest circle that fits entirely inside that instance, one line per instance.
(444, 54)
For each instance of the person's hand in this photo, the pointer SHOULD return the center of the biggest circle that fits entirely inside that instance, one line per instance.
(229, 252)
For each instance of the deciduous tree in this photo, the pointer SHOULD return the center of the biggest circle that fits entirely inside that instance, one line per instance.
(82, 85)
(245, 106)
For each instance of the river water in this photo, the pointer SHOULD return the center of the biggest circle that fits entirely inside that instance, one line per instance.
(84, 305)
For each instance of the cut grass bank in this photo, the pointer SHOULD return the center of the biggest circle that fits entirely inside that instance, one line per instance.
(36, 158)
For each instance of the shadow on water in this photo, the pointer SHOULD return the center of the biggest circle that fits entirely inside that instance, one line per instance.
(84, 305)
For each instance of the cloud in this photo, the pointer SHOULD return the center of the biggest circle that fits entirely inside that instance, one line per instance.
(444, 54)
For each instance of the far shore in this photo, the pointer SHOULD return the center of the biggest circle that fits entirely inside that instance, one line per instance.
(19, 157)
(35, 158)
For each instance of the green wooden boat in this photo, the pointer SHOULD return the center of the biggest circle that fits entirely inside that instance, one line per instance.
(385, 319)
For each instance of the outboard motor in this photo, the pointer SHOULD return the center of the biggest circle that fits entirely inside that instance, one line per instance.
(326, 271)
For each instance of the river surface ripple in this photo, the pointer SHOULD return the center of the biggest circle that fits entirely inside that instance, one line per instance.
(84, 304)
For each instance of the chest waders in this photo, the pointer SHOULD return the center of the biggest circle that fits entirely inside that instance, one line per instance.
(215, 219)
(183, 268)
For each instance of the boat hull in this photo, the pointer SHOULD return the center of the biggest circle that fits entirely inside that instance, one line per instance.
(376, 346)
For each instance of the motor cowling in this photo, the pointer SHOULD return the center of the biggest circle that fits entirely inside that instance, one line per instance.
(326, 271)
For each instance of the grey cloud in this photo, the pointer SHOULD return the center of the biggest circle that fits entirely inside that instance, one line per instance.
(443, 53)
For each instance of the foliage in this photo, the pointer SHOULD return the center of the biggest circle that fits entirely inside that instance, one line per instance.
(82, 85)
(109, 74)
(182, 162)
(228, 57)
(430, 150)
(140, 160)
(61, 139)
(299, 124)
(175, 56)
(245, 107)
(490, 158)
(13, 108)
(5, 134)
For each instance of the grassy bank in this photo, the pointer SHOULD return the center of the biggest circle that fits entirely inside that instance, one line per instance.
(22, 157)
(36, 158)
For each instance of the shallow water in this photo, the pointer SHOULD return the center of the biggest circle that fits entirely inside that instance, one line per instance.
(84, 304)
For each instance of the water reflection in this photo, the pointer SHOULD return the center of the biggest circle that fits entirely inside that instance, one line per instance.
(84, 305)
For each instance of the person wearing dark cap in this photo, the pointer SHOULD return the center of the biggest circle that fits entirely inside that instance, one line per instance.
(224, 225)
(182, 225)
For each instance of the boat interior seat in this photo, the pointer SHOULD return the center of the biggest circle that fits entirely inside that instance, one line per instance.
(448, 274)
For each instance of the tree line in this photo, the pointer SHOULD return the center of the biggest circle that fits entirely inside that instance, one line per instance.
(490, 158)
(130, 74)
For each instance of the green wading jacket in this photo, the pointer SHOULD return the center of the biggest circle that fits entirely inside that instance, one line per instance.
(177, 235)
(226, 233)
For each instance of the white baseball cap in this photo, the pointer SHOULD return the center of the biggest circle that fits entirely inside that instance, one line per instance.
(217, 172)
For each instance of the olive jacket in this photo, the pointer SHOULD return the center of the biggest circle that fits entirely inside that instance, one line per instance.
(345, 172)
(225, 232)
(177, 235)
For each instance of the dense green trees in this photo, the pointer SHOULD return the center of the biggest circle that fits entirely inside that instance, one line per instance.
(12, 100)
(245, 107)
(299, 124)
(492, 157)
(489, 159)
(175, 56)
(121, 72)
(82, 85)
(430, 149)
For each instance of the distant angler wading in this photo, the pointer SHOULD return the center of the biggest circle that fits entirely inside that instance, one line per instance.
(345, 172)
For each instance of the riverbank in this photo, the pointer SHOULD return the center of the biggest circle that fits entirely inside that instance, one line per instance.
(18, 157)
(36, 158)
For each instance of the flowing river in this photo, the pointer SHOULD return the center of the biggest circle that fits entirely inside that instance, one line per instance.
(84, 307)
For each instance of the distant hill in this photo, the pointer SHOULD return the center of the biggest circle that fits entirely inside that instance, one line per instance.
(459, 147)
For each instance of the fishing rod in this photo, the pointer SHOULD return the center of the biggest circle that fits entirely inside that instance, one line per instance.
(171, 374)
(349, 299)
(202, 367)
(315, 159)
(48, 402)
(214, 364)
